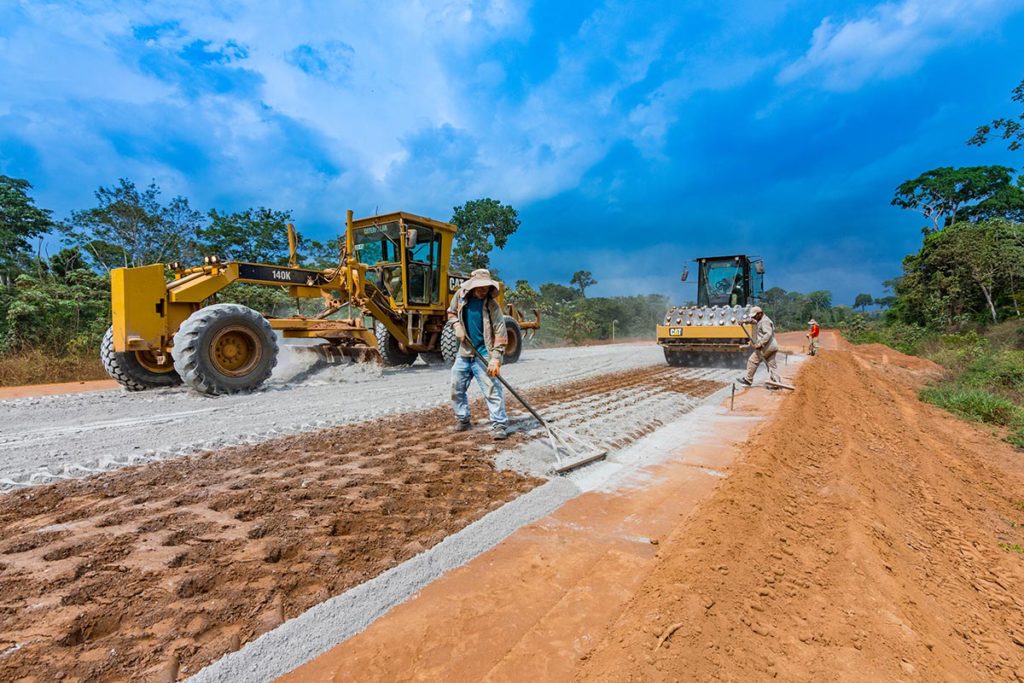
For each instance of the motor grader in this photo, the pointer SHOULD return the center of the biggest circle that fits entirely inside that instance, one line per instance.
(393, 282)
(711, 333)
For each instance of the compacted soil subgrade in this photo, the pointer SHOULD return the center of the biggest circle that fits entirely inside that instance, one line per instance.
(162, 568)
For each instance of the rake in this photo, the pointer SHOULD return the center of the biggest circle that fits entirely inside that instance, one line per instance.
(570, 450)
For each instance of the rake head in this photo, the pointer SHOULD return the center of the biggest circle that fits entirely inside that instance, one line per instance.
(571, 451)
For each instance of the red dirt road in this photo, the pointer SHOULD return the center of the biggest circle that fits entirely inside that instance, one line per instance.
(862, 535)
(867, 536)
(33, 390)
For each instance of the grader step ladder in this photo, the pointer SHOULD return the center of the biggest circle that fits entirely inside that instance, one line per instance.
(393, 277)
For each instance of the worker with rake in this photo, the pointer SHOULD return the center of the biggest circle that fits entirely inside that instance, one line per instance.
(478, 321)
(765, 348)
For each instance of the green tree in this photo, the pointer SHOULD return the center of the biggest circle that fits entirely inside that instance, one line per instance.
(483, 224)
(132, 228)
(258, 235)
(946, 195)
(885, 301)
(1008, 128)
(524, 296)
(966, 273)
(58, 310)
(583, 279)
(554, 295)
(820, 302)
(20, 221)
(578, 325)
(863, 301)
(987, 254)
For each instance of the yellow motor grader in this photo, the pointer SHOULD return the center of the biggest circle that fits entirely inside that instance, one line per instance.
(393, 280)
(712, 333)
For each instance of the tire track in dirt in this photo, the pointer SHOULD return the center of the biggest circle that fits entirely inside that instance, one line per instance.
(135, 572)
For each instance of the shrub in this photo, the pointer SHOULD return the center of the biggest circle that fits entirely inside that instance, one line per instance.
(972, 404)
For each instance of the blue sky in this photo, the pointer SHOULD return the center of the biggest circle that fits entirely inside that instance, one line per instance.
(631, 136)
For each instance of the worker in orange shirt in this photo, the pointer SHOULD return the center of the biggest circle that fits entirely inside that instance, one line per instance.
(812, 335)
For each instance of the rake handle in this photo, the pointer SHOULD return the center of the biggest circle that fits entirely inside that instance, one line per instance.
(536, 415)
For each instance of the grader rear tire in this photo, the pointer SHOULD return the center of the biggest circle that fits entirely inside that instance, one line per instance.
(391, 352)
(225, 349)
(135, 370)
(449, 344)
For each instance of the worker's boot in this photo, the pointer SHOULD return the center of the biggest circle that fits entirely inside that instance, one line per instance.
(745, 382)
(499, 432)
(461, 426)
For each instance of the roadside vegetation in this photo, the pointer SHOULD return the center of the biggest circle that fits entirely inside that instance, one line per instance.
(960, 297)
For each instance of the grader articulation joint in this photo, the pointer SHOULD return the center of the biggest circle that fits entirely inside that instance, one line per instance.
(393, 279)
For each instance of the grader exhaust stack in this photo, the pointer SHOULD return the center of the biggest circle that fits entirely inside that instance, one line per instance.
(393, 277)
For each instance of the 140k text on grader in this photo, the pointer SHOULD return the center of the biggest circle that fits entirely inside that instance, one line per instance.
(712, 332)
(393, 271)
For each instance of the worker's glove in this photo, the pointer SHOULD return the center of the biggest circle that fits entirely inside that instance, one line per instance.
(494, 367)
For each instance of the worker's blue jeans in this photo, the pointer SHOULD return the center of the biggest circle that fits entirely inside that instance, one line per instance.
(464, 370)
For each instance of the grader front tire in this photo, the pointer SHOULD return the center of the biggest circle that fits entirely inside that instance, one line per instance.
(391, 351)
(225, 349)
(135, 370)
(514, 346)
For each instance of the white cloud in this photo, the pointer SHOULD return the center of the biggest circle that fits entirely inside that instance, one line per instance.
(324, 106)
(890, 39)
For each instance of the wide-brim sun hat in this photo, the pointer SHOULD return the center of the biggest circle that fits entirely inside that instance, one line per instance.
(812, 321)
(754, 310)
(481, 277)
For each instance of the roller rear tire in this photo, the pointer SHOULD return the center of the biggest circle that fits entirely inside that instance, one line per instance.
(135, 370)
(225, 349)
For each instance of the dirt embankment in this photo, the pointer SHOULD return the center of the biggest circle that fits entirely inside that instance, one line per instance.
(867, 536)
(124, 575)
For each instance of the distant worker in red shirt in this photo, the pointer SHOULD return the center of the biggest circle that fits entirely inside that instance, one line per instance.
(812, 335)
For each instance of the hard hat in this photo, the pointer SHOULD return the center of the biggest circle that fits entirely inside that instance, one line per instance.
(754, 310)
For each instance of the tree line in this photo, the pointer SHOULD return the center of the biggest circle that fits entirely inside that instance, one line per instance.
(969, 270)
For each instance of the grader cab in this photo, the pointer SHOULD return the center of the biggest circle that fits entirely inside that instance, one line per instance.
(393, 281)
(711, 333)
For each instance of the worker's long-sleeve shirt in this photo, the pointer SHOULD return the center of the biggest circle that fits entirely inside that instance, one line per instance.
(764, 336)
